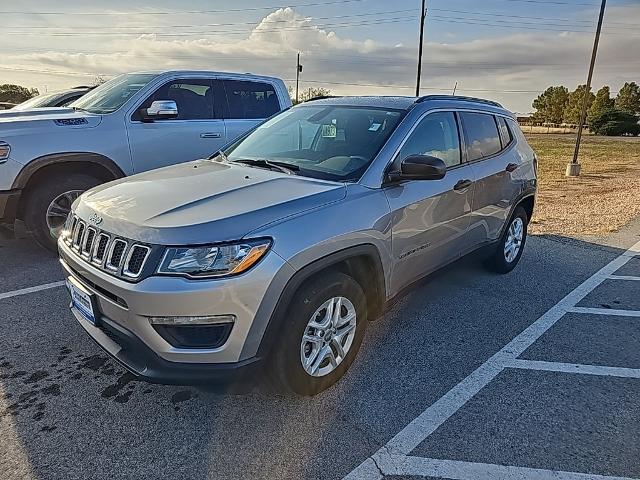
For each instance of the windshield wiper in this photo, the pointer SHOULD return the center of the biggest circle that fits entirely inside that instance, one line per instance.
(80, 109)
(288, 168)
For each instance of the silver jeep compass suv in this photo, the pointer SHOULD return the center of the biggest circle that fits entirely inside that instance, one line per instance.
(273, 255)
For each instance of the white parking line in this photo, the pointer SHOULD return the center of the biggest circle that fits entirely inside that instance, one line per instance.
(24, 291)
(623, 277)
(432, 467)
(428, 421)
(605, 311)
(575, 368)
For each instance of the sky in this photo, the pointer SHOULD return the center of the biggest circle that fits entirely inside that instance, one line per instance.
(505, 50)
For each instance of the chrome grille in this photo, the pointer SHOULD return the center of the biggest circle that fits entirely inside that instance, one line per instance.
(79, 234)
(135, 260)
(100, 249)
(115, 255)
(87, 242)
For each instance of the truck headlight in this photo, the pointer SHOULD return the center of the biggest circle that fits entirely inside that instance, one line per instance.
(214, 260)
(5, 150)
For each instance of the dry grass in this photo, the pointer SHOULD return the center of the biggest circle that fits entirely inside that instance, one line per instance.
(604, 198)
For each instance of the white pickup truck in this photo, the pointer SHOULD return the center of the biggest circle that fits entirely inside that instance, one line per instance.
(132, 123)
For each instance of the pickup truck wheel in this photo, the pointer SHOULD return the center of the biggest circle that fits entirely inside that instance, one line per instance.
(49, 203)
(322, 333)
(511, 245)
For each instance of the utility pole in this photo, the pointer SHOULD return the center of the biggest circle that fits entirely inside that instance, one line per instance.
(298, 72)
(423, 14)
(573, 169)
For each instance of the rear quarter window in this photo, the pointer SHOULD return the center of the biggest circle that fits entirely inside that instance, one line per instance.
(481, 135)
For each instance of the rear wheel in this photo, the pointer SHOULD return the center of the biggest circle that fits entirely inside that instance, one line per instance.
(511, 244)
(321, 335)
(49, 203)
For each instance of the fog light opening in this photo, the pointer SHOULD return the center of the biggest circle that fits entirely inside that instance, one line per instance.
(201, 332)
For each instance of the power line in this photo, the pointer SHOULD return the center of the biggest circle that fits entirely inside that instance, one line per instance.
(225, 32)
(180, 12)
(228, 24)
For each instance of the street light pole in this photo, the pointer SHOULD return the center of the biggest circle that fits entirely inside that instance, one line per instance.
(298, 70)
(423, 13)
(573, 169)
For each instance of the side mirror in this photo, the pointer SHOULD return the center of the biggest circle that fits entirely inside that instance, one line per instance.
(160, 109)
(420, 167)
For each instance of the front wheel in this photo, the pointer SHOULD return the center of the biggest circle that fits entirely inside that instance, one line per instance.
(511, 244)
(49, 204)
(321, 334)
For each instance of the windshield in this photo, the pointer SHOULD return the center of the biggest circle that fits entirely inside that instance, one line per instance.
(39, 101)
(322, 141)
(110, 96)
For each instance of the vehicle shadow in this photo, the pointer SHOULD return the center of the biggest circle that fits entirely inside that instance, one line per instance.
(69, 412)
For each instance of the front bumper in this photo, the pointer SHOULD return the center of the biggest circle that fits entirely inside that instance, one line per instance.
(9, 200)
(143, 362)
(124, 331)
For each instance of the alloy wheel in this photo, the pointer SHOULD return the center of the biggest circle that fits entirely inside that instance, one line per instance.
(328, 336)
(513, 242)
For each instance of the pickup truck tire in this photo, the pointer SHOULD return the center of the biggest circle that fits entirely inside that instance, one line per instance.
(59, 188)
(340, 338)
(511, 245)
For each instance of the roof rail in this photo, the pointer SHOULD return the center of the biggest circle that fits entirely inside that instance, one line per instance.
(320, 97)
(458, 98)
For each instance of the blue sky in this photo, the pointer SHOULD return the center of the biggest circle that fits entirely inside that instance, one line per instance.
(502, 49)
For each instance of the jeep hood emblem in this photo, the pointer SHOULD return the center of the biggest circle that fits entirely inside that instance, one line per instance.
(95, 219)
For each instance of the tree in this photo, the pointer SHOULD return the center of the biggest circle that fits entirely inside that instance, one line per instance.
(15, 93)
(628, 98)
(602, 102)
(308, 94)
(614, 121)
(98, 80)
(573, 109)
(550, 104)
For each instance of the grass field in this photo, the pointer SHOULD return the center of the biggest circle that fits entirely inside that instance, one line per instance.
(604, 198)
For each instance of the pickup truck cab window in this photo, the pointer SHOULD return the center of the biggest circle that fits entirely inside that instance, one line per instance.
(194, 98)
(250, 99)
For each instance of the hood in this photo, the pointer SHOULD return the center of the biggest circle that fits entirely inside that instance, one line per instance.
(31, 112)
(50, 116)
(202, 202)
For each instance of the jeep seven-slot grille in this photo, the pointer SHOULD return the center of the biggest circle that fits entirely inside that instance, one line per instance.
(115, 255)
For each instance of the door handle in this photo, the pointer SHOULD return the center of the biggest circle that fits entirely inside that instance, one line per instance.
(210, 135)
(462, 184)
(511, 167)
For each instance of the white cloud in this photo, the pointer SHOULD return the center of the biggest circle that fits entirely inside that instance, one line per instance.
(515, 62)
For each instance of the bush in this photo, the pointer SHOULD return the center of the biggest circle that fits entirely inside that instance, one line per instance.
(615, 122)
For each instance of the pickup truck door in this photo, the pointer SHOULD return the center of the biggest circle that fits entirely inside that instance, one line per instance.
(430, 218)
(197, 132)
(249, 102)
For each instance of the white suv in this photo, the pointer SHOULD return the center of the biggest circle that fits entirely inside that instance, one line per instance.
(135, 122)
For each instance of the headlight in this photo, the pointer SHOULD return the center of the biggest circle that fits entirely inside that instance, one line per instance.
(215, 260)
(5, 150)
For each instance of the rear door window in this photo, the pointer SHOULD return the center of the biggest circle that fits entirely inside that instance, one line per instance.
(481, 135)
(250, 100)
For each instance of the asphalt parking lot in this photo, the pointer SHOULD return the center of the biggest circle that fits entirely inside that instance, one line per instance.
(472, 375)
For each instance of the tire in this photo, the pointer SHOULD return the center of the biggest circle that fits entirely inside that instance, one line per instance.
(287, 373)
(500, 261)
(41, 197)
